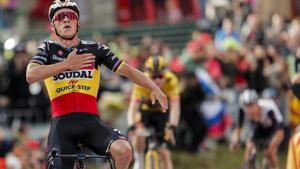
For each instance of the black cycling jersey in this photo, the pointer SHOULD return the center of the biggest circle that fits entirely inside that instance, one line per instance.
(271, 119)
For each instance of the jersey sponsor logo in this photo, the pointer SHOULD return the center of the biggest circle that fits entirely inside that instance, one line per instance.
(60, 52)
(79, 74)
(73, 88)
(73, 81)
(54, 57)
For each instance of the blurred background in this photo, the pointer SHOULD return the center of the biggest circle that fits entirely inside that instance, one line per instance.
(228, 45)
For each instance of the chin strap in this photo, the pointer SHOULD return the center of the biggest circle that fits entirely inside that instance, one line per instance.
(71, 38)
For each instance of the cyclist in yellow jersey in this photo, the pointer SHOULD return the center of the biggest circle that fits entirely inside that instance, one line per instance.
(293, 157)
(294, 114)
(151, 114)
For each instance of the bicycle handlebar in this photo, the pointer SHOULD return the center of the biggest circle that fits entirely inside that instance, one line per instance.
(84, 156)
(80, 156)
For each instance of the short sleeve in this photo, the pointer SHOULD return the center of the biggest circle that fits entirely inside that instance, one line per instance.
(108, 58)
(173, 91)
(171, 87)
(41, 56)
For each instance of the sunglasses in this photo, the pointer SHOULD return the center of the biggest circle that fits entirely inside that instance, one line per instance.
(62, 15)
(158, 76)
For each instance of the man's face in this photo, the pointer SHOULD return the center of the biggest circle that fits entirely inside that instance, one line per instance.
(253, 111)
(65, 21)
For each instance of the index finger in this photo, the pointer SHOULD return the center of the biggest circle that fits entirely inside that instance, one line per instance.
(152, 97)
(74, 51)
(163, 102)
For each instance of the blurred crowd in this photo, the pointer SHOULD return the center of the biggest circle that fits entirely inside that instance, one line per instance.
(222, 58)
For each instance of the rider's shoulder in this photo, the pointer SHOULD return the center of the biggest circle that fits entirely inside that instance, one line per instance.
(170, 74)
(48, 43)
(97, 45)
(44, 45)
(171, 77)
(269, 105)
(266, 102)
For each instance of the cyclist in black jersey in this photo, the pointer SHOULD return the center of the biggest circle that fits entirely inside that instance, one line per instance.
(71, 70)
(266, 125)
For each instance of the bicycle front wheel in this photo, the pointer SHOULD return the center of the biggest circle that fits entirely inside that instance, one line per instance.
(151, 160)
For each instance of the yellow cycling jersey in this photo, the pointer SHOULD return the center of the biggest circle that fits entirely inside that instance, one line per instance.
(294, 115)
(170, 88)
(293, 158)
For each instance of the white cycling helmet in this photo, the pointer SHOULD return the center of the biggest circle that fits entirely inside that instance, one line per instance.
(59, 4)
(248, 97)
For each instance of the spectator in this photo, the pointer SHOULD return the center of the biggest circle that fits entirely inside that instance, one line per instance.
(193, 55)
(15, 159)
(4, 100)
(18, 87)
(252, 31)
(274, 32)
(226, 31)
(5, 147)
(191, 99)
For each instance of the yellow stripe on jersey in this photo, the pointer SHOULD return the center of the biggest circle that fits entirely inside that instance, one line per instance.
(84, 81)
(119, 67)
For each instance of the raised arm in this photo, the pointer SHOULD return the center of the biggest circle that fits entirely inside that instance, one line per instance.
(139, 78)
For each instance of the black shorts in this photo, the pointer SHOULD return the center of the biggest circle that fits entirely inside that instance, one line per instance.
(68, 131)
(157, 121)
(262, 137)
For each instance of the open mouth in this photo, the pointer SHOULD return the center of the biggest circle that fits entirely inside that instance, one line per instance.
(67, 27)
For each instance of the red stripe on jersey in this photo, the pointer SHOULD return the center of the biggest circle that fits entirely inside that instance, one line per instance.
(74, 102)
